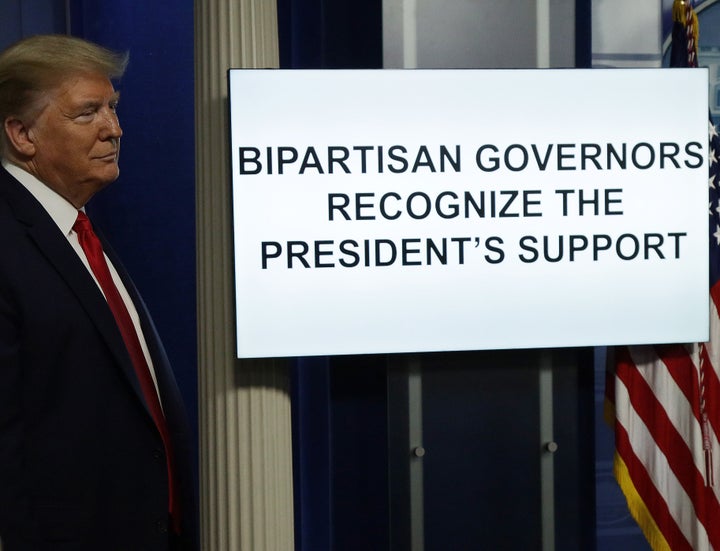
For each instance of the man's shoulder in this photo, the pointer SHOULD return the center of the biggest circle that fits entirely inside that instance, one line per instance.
(8, 202)
(7, 212)
(10, 188)
(18, 211)
(17, 204)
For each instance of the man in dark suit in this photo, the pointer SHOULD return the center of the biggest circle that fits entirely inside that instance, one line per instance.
(95, 449)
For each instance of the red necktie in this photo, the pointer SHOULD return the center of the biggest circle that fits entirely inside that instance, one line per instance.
(94, 253)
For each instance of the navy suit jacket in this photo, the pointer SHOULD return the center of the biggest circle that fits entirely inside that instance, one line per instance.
(82, 465)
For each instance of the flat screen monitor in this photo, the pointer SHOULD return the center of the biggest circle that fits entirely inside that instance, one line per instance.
(384, 211)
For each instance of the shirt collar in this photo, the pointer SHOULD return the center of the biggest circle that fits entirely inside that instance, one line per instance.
(60, 209)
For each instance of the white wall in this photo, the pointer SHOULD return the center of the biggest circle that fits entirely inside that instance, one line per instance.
(626, 34)
(478, 33)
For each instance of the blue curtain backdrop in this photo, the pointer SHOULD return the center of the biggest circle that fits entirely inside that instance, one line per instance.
(21, 18)
(330, 34)
(149, 212)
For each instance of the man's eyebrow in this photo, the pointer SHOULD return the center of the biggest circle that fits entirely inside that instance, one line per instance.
(97, 103)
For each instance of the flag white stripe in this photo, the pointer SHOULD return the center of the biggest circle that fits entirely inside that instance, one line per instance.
(673, 401)
(650, 456)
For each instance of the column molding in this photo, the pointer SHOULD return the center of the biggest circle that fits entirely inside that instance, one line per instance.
(246, 495)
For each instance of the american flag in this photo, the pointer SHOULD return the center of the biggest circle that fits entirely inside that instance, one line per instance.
(667, 398)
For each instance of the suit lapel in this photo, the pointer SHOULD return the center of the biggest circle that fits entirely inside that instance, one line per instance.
(58, 251)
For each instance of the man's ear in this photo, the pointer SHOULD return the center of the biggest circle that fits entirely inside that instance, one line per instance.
(19, 137)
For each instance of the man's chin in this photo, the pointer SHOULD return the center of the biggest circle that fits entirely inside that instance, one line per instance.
(100, 183)
(108, 177)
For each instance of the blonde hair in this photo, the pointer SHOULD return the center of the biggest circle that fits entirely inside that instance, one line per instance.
(35, 65)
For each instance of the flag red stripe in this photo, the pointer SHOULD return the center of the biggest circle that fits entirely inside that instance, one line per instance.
(656, 419)
(653, 499)
(685, 374)
(715, 295)
(680, 366)
(673, 446)
(683, 371)
(680, 459)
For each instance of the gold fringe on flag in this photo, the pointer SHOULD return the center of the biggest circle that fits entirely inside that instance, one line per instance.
(637, 507)
(679, 12)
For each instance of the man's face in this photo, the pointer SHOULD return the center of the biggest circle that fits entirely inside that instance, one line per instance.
(77, 138)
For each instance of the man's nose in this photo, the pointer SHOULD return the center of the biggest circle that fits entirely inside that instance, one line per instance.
(111, 125)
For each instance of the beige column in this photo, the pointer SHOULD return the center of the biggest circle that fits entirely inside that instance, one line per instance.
(245, 433)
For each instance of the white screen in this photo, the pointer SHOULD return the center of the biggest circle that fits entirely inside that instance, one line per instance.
(360, 227)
